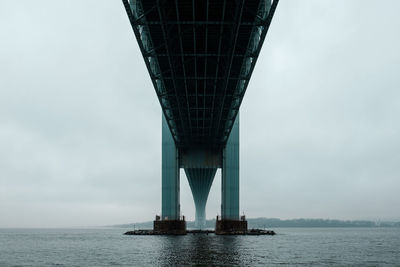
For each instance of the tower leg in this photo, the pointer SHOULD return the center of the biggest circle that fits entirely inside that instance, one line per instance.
(230, 175)
(230, 186)
(170, 206)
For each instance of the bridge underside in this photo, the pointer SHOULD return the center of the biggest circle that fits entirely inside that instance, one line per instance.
(200, 56)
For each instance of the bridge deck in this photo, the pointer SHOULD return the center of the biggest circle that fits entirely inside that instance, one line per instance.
(200, 56)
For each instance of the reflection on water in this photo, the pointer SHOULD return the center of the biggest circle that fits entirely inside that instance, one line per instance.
(199, 249)
(290, 247)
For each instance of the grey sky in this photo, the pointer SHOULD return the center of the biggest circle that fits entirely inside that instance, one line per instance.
(80, 124)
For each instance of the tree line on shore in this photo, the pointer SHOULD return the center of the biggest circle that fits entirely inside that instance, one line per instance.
(274, 222)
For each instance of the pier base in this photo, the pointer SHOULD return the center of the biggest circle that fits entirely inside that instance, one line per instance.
(230, 227)
(170, 227)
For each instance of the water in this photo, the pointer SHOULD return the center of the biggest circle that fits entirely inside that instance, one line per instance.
(291, 246)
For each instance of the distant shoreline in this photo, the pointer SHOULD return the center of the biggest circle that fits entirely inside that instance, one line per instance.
(273, 222)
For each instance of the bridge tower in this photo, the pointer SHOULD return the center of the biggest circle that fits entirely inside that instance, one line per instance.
(200, 55)
(200, 166)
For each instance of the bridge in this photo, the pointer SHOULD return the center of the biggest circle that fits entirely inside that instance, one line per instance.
(200, 56)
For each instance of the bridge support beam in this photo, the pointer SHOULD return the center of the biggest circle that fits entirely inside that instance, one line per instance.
(170, 206)
(230, 175)
(170, 222)
(230, 221)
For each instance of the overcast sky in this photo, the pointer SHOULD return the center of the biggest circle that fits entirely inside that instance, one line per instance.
(80, 123)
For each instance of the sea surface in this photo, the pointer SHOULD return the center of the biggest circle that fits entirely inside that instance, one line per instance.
(290, 247)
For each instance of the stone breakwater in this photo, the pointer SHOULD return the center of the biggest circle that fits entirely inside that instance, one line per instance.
(248, 232)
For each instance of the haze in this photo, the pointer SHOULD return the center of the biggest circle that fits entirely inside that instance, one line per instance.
(80, 123)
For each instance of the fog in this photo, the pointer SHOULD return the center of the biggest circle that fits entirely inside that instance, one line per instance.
(80, 123)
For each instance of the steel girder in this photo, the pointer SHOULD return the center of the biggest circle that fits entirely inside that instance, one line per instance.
(200, 56)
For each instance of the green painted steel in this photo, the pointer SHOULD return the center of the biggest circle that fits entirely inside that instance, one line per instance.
(200, 56)
(170, 206)
(198, 157)
(230, 175)
(200, 181)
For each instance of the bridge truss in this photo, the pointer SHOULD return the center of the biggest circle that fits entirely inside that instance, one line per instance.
(200, 56)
